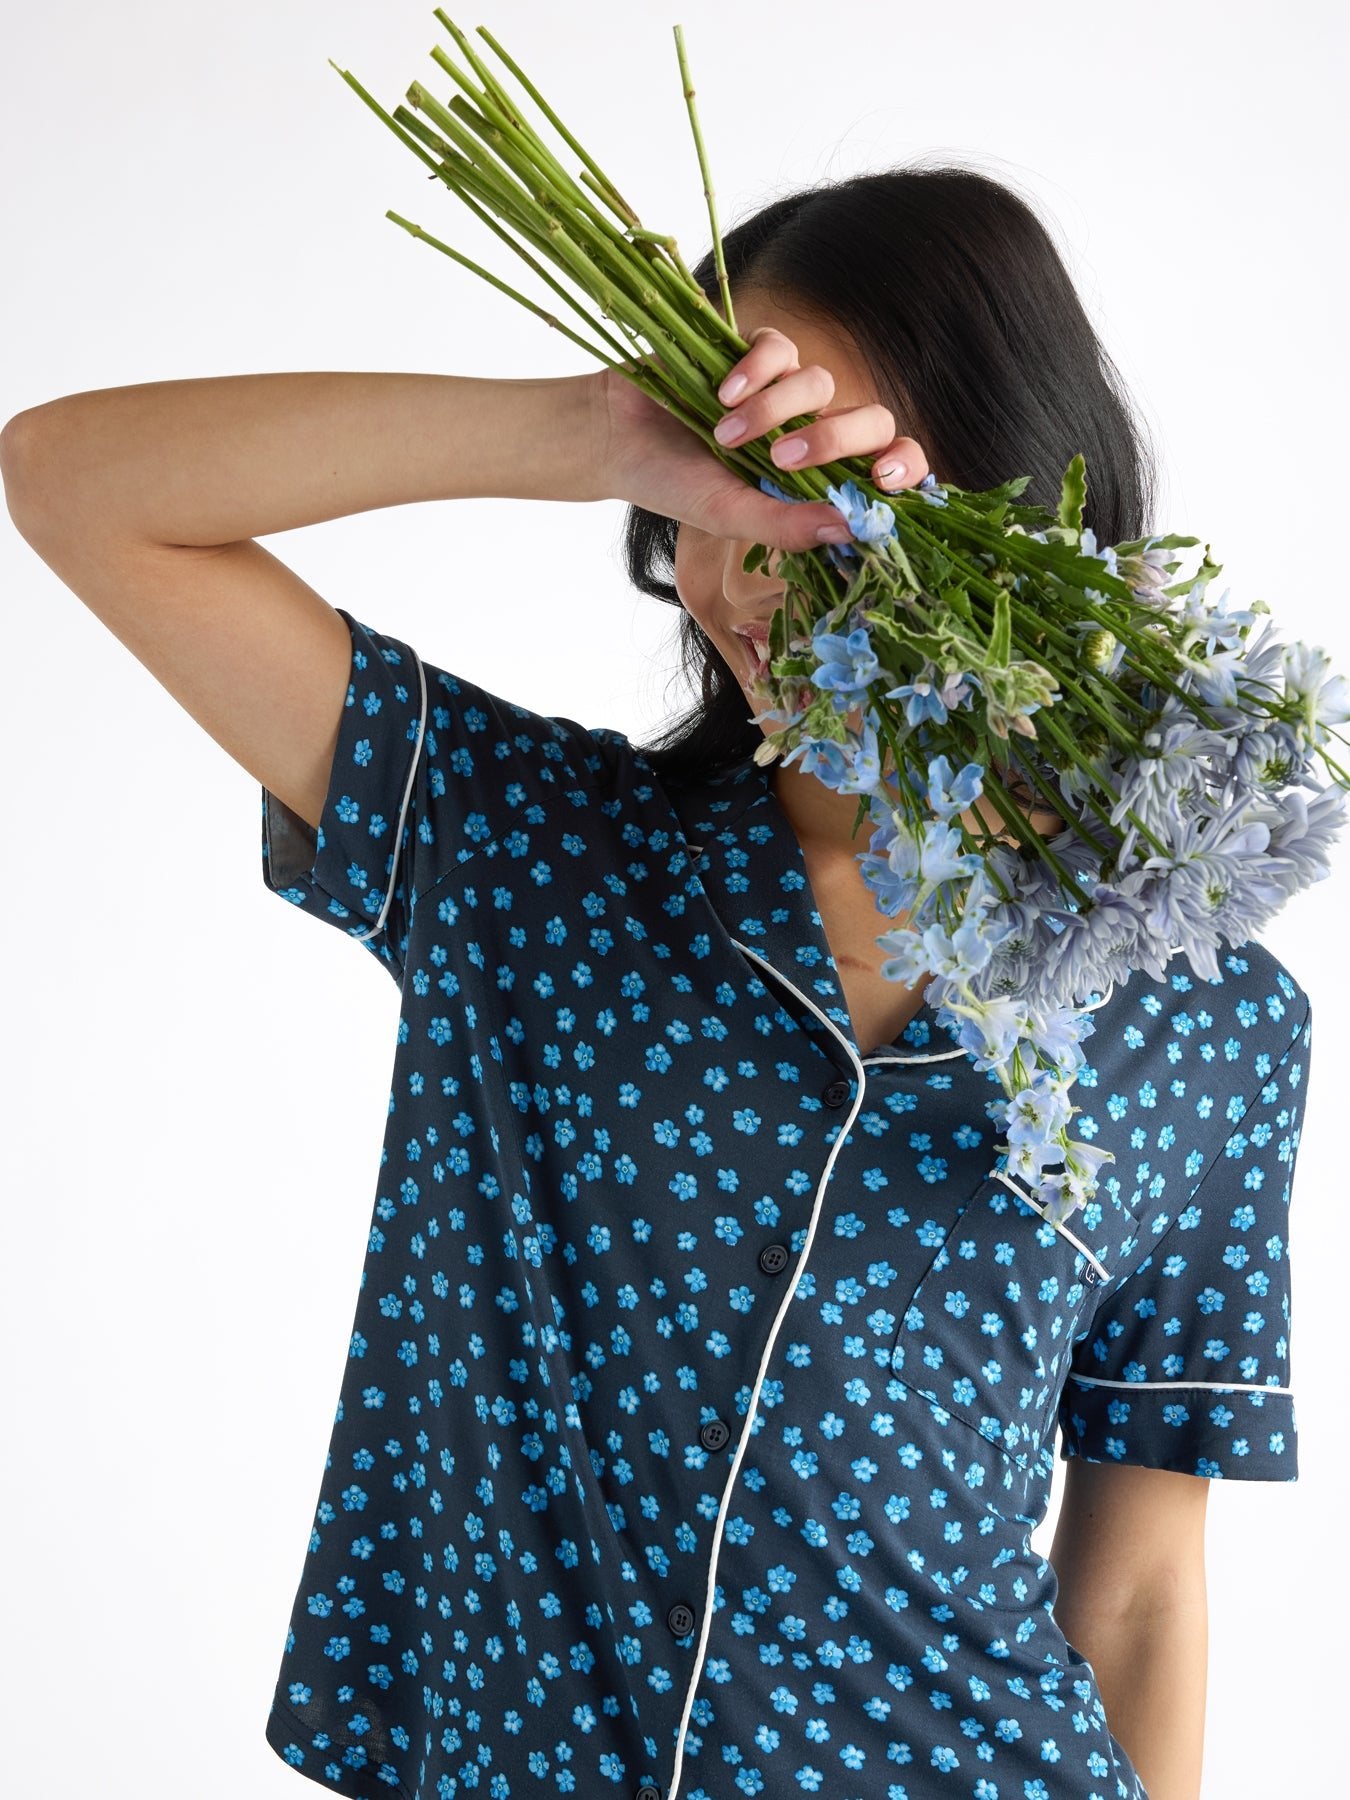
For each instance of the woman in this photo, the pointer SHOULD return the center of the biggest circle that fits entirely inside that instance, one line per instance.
(706, 1371)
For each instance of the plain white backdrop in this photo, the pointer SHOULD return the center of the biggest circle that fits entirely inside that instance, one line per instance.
(196, 1076)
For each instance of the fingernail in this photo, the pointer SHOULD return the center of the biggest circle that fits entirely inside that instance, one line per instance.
(729, 430)
(733, 386)
(890, 471)
(833, 534)
(788, 450)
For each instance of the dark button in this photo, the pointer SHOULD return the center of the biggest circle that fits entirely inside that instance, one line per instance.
(647, 1792)
(773, 1259)
(836, 1093)
(680, 1619)
(714, 1435)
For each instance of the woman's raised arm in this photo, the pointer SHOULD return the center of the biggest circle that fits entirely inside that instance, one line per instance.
(145, 501)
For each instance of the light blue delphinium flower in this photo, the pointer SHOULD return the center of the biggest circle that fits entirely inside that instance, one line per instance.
(1082, 1165)
(1038, 1112)
(1057, 1033)
(990, 1030)
(1212, 620)
(870, 522)
(1088, 545)
(895, 892)
(851, 767)
(846, 665)
(947, 796)
(828, 761)
(1212, 674)
(923, 700)
(1323, 699)
(865, 775)
(958, 954)
(928, 487)
(909, 955)
(839, 555)
(941, 858)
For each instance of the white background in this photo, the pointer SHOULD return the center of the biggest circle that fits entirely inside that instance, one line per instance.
(197, 1076)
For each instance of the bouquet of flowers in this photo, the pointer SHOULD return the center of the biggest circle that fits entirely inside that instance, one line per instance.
(962, 643)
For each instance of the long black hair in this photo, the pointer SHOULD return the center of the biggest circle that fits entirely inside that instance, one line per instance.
(958, 300)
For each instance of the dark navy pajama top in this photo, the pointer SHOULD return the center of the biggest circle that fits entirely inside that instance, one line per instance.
(706, 1372)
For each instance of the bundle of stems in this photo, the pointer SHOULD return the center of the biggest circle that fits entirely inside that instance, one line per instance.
(1170, 748)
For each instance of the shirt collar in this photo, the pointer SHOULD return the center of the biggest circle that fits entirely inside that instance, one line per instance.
(750, 865)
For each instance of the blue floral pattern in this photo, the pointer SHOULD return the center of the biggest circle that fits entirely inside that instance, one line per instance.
(706, 1369)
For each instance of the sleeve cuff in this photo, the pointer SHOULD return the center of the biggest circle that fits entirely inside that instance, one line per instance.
(1236, 1433)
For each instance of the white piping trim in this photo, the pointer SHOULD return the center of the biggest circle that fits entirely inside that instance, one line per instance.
(700, 1650)
(1222, 1387)
(361, 936)
(1103, 1273)
(945, 1055)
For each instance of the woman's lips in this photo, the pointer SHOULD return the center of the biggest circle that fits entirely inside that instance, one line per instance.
(756, 653)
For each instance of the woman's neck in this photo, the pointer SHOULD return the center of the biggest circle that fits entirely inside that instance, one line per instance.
(821, 818)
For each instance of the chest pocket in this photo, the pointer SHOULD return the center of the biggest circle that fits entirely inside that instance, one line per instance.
(989, 1329)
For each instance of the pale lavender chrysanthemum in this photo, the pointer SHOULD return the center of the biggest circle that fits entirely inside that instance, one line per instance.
(1265, 757)
(1304, 832)
(1152, 784)
(1099, 944)
(1219, 871)
(1010, 965)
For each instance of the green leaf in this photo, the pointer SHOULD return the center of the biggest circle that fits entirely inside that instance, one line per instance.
(959, 601)
(756, 557)
(1174, 541)
(1000, 639)
(1073, 492)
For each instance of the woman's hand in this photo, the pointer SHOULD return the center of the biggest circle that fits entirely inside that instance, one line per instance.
(647, 456)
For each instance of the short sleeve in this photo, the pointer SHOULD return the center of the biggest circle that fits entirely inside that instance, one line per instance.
(430, 770)
(1185, 1365)
(350, 872)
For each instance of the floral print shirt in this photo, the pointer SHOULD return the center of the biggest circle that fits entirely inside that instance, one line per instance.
(706, 1372)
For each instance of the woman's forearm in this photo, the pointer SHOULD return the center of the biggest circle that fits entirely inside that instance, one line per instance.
(1151, 1661)
(224, 458)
